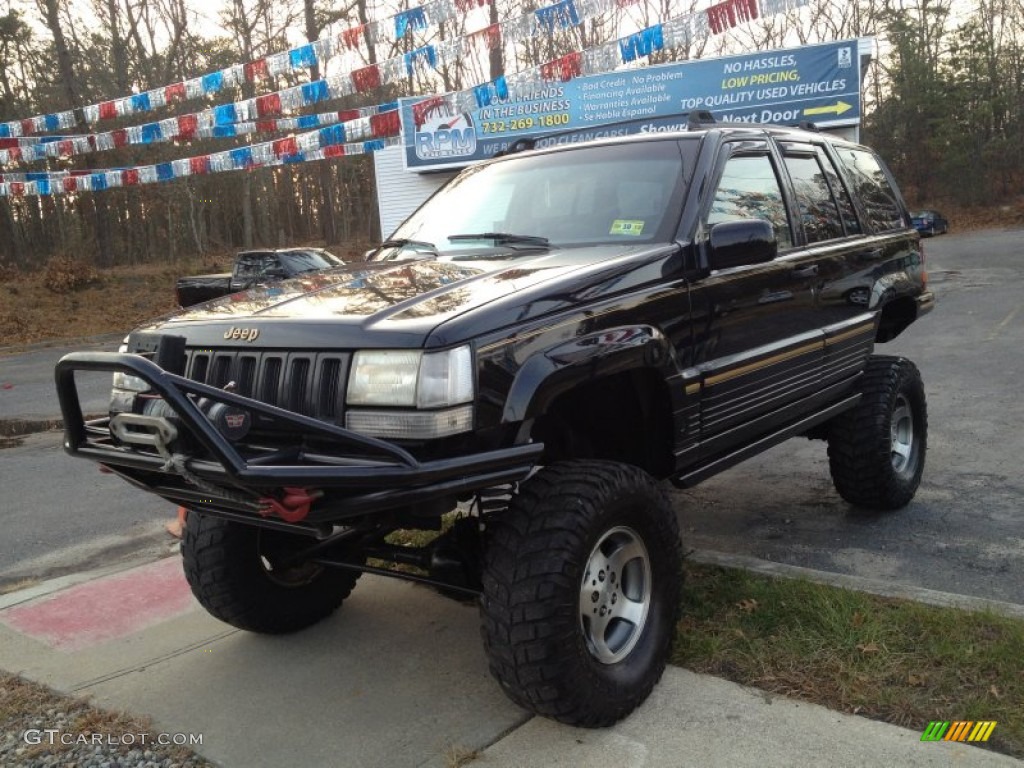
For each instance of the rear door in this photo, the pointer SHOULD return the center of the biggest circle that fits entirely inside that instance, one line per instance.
(847, 264)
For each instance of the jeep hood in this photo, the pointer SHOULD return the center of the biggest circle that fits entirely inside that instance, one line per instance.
(399, 303)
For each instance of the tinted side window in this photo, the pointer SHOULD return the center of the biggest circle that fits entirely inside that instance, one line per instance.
(841, 195)
(297, 262)
(870, 183)
(818, 210)
(749, 189)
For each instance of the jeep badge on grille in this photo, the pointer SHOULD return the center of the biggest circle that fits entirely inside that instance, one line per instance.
(243, 334)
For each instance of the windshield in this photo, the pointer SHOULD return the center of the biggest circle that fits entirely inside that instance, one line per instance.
(624, 193)
(309, 261)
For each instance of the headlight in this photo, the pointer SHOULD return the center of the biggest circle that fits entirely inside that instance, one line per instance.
(411, 378)
(383, 378)
(126, 381)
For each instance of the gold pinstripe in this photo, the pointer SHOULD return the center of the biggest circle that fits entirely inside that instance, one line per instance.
(860, 329)
(768, 361)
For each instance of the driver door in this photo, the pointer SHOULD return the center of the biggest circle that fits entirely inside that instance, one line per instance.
(757, 338)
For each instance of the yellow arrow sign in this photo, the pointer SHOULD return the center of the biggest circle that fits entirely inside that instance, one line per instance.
(838, 108)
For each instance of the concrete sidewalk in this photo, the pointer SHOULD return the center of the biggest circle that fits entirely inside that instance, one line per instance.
(396, 678)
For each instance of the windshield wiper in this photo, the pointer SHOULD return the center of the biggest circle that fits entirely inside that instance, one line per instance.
(403, 242)
(420, 248)
(505, 238)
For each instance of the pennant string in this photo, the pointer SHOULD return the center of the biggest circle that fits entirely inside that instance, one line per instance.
(353, 131)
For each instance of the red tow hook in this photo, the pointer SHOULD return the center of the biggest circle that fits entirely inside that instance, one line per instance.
(293, 507)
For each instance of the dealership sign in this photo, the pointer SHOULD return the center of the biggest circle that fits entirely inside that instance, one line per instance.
(820, 83)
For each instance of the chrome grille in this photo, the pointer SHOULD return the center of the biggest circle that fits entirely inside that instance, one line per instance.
(305, 382)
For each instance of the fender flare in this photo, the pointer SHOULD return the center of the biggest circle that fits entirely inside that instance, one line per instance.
(552, 372)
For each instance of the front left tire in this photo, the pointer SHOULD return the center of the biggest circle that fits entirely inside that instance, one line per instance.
(581, 591)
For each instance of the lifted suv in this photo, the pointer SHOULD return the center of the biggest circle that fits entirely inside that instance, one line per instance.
(540, 343)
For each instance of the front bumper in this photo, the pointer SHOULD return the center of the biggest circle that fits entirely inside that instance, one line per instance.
(349, 475)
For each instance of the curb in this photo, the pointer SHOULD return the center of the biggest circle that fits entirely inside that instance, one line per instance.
(860, 584)
(22, 427)
(705, 557)
(148, 547)
(49, 586)
(12, 428)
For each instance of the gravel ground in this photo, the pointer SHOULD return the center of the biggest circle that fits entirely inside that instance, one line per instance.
(40, 728)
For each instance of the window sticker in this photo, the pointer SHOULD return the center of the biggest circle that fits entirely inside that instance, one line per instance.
(627, 227)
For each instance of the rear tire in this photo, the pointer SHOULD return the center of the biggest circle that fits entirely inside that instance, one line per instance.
(876, 451)
(581, 591)
(229, 566)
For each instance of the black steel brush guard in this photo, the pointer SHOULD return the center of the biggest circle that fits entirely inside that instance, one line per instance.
(350, 476)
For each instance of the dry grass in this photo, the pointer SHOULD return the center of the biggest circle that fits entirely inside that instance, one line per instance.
(64, 302)
(456, 756)
(69, 298)
(17, 586)
(897, 661)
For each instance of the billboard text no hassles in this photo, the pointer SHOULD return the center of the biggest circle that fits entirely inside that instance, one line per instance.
(817, 82)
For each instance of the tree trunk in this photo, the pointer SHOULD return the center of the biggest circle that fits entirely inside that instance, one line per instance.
(328, 224)
(9, 237)
(245, 34)
(97, 201)
(497, 64)
(247, 218)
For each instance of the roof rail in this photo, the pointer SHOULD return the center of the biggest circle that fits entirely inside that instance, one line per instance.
(698, 119)
(808, 125)
(521, 145)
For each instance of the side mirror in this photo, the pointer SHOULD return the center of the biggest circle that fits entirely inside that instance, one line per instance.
(736, 243)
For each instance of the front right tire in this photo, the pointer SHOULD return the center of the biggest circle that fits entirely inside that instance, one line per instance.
(237, 573)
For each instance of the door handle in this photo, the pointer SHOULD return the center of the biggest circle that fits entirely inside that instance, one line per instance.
(808, 271)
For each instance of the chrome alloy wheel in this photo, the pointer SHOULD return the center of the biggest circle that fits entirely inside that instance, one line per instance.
(902, 436)
(615, 595)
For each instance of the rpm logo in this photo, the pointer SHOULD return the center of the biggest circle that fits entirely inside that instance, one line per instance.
(446, 136)
(242, 334)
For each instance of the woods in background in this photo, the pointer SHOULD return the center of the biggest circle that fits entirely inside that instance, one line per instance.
(943, 103)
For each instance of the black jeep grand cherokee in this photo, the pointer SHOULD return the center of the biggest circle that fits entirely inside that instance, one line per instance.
(544, 340)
